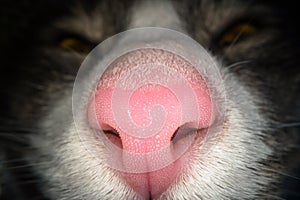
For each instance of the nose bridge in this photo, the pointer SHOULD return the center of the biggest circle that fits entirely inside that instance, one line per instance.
(165, 15)
(155, 113)
(145, 145)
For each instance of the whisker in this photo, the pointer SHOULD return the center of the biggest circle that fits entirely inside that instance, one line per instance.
(268, 196)
(16, 160)
(7, 141)
(292, 124)
(31, 181)
(282, 173)
(28, 165)
(18, 136)
(238, 64)
(35, 85)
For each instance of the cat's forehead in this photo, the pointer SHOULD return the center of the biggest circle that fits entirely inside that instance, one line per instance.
(108, 17)
(93, 22)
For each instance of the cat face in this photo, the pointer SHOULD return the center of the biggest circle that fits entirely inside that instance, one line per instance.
(239, 159)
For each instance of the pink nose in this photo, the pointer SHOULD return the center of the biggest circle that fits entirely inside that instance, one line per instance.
(142, 108)
(140, 133)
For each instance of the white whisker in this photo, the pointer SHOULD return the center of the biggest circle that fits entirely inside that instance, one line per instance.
(238, 64)
(292, 124)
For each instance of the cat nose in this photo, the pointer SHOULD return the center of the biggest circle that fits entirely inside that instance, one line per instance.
(153, 114)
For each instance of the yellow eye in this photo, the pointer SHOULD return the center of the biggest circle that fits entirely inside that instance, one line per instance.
(75, 44)
(237, 32)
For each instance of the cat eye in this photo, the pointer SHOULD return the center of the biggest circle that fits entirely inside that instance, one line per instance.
(237, 32)
(76, 44)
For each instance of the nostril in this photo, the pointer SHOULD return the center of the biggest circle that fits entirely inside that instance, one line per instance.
(183, 132)
(174, 135)
(113, 135)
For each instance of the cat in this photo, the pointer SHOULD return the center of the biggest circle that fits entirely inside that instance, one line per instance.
(254, 46)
